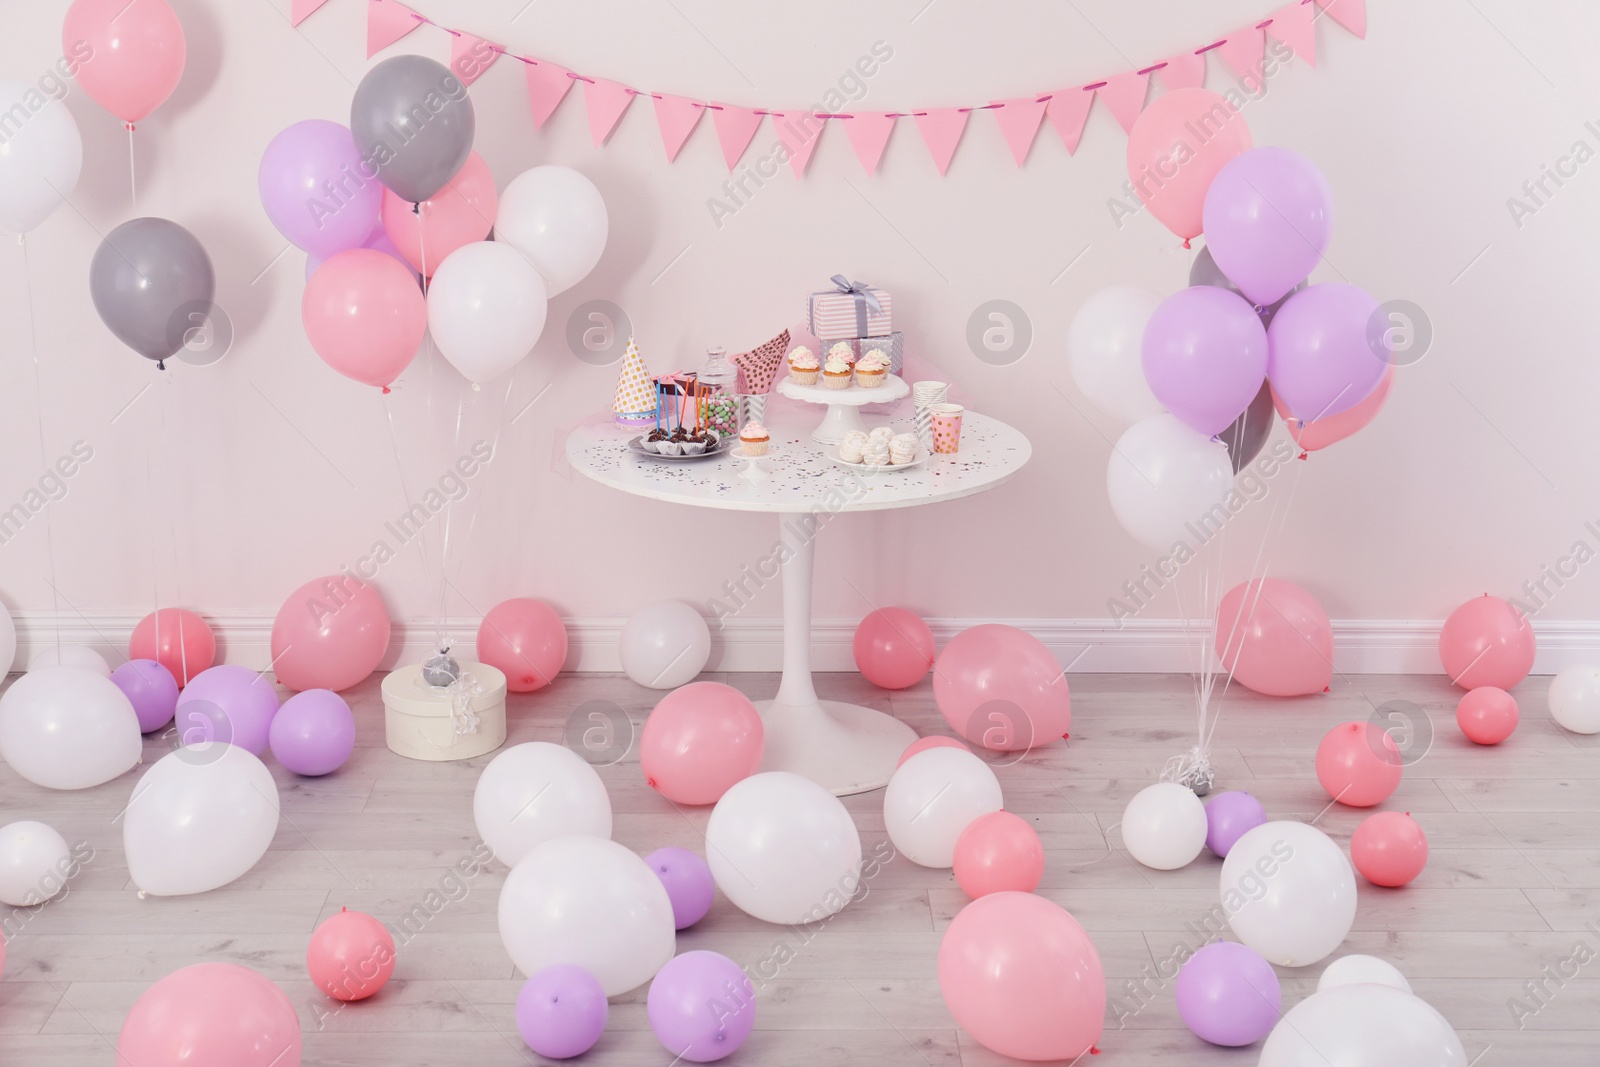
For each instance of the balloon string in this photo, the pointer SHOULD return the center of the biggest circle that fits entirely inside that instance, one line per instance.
(400, 468)
(494, 450)
(44, 454)
(133, 178)
(444, 552)
(172, 530)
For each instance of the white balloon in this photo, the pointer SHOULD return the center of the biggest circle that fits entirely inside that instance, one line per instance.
(198, 819)
(486, 309)
(665, 645)
(8, 641)
(1363, 1025)
(1355, 970)
(1289, 893)
(536, 791)
(1164, 826)
(589, 902)
(81, 656)
(41, 156)
(34, 863)
(68, 728)
(556, 217)
(783, 848)
(1168, 482)
(1103, 352)
(932, 797)
(1575, 699)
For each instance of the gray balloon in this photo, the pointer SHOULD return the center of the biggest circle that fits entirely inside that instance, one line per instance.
(1247, 434)
(413, 123)
(1204, 271)
(147, 279)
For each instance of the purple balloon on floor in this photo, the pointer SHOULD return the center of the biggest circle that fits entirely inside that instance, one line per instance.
(151, 688)
(1228, 816)
(561, 1011)
(231, 704)
(702, 1006)
(314, 732)
(688, 881)
(1228, 994)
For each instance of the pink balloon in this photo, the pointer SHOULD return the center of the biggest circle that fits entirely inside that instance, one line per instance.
(996, 853)
(1314, 436)
(1320, 358)
(1022, 977)
(1268, 216)
(378, 241)
(351, 955)
(179, 640)
(330, 634)
(1358, 764)
(1486, 641)
(999, 687)
(1486, 715)
(365, 315)
(526, 640)
(893, 648)
(1176, 147)
(131, 53)
(211, 1015)
(922, 744)
(700, 741)
(1389, 848)
(1205, 356)
(1275, 638)
(459, 214)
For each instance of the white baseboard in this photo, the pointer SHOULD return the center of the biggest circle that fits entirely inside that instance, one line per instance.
(1090, 646)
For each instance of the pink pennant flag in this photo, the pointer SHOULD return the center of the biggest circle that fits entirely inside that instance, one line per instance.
(1068, 111)
(1351, 14)
(869, 133)
(1296, 26)
(1019, 123)
(547, 87)
(942, 128)
(735, 128)
(301, 10)
(1243, 51)
(470, 56)
(607, 101)
(387, 22)
(677, 116)
(1124, 95)
(1184, 71)
(799, 131)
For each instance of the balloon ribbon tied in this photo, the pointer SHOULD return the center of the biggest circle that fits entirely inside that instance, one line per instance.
(1192, 770)
(463, 691)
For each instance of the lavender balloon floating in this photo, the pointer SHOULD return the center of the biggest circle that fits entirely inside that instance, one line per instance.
(1228, 816)
(230, 704)
(1268, 216)
(561, 1011)
(313, 733)
(151, 689)
(316, 189)
(688, 881)
(1228, 994)
(1323, 359)
(702, 1006)
(1205, 356)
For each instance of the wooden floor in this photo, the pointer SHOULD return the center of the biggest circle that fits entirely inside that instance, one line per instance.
(1512, 881)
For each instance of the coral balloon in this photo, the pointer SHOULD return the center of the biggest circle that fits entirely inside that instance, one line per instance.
(1275, 638)
(997, 853)
(211, 1013)
(1331, 429)
(1022, 977)
(330, 634)
(699, 741)
(893, 648)
(1389, 848)
(922, 744)
(151, 689)
(131, 53)
(229, 704)
(364, 315)
(179, 640)
(1176, 147)
(1486, 715)
(1487, 641)
(459, 214)
(351, 955)
(1358, 764)
(999, 687)
(526, 640)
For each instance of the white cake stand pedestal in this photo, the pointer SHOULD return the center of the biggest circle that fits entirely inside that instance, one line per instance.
(844, 405)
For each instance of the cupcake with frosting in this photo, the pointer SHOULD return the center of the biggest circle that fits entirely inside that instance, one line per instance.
(804, 366)
(753, 439)
(872, 369)
(836, 372)
(842, 350)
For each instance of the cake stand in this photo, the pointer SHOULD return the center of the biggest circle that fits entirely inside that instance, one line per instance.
(844, 405)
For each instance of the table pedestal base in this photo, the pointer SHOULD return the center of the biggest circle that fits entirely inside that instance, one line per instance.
(845, 748)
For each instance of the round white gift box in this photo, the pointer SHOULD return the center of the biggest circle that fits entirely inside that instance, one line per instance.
(417, 716)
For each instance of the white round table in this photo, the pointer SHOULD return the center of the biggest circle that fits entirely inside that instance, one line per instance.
(844, 747)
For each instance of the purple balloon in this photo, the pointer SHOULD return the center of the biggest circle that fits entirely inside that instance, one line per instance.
(313, 733)
(1205, 356)
(151, 688)
(1228, 994)
(378, 241)
(688, 881)
(1267, 218)
(702, 1006)
(1228, 816)
(316, 189)
(561, 1011)
(1322, 359)
(231, 704)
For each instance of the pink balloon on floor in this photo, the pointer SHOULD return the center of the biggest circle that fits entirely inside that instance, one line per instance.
(1486, 715)
(1358, 764)
(996, 853)
(1389, 848)
(1275, 638)
(351, 955)
(922, 744)
(211, 1014)
(700, 741)
(330, 634)
(893, 648)
(1487, 641)
(526, 640)
(999, 687)
(1331, 429)
(179, 640)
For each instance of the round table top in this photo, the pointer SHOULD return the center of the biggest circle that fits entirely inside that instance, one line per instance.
(801, 478)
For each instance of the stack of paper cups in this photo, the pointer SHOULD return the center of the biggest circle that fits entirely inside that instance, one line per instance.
(923, 396)
(755, 408)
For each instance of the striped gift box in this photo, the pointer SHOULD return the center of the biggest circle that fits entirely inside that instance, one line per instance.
(846, 311)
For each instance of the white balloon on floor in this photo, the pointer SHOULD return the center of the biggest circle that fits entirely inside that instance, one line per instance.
(1366, 1024)
(533, 792)
(1574, 699)
(68, 728)
(34, 863)
(783, 849)
(1164, 826)
(57, 655)
(1105, 353)
(665, 645)
(1355, 970)
(1289, 893)
(198, 819)
(556, 217)
(932, 797)
(592, 903)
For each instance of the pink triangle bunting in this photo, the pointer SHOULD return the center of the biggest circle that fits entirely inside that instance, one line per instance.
(470, 56)
(1184, 71)
(301, 10)
(1124, 95)
(1351, 14)
(677, 116)
(548, 85)
(1019, 123)
(869, 134)
(941, 128)
(735, 128)
(607, 101)
(387, 22)
(799, 131)
(1296, 26)
(1243, 51)
(1068, 111)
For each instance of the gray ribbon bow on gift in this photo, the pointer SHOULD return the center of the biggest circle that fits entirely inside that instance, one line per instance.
(864, 297)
